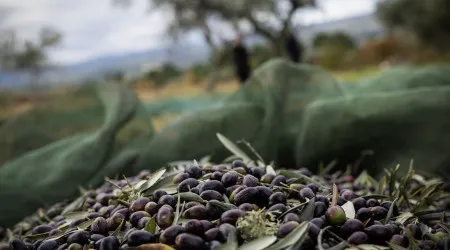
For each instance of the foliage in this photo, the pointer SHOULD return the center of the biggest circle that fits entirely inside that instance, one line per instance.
(429, 21)
(162, 75)
(333, 50)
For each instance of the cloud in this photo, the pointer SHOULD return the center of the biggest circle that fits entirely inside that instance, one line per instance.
(92, 28)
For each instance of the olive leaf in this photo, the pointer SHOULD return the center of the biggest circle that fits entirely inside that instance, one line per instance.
(189, 196)
(342, 245)
(293, 209)
(306, 179)
(150, 226)
(349, 210)
(223, 206)
(434, 216)
(233, 148)
(178, 210)
(259, 244)
(150, 182)
(393, 179)
(85, 225)
(36, 236)
(335, 199)
(307, 213)
(71, 216)
(324, 170)
(293, 237)
(117, 231)
(391, 211)
(375, 196)
(403, 217)
(74, 206)
(163, 182)
(368, 247)
(270, 170)
(382, 185)
(396, 247)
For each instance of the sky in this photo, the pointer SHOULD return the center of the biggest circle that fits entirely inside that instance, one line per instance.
(94, 28)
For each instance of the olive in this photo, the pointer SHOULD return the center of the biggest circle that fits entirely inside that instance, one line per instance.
(319, 209)
(168, 236)
(363, 214)
(247, 207)
(109, 243)
(250, 181)
(103, 198)
(211, 195)
(430, 245)
(140, 237)
(136, 216)
(307, 193)
(41, 229)
(96, 237)
(258, 172)
(124, 211)
(359, 203)
(378, 212)
(106, 211)
(444, 243)
(114, 221)
(415, 230)
(286, 228)
(399, 240)
(194, 227)
(277, 209)
(195, 190)
(230, 178)
(291, 217)
(387, 205)
(99, 226)
(165, 216)
(230, 190)
(17, 245)
(214, 244)
(351, 226)
(196, 212)
(187, 184)
(335, 216)
(158, 194)
(394, 228)
(61, 247)
(142, 222)
(263, 196)
(278, 180)
(267, 178)
(348, 195)
(151, 208)
(277, 198)
(94, 215)
(139, 204)
(187, 241)
(167, 200)
(213, 185)
(313, 187)
(54, 232)
(216, 176)
(212, 234)
(36, 244)
(180, 177)
(313, 231)
(372, 203)
(212, 212)
(378, 234)
(194, 171)
(358, 238)
(239, 164)
(80, 237)
(323, 199)
(319, 222)
(231, 216)
(247, 195)
(226, 230)
(192, 204)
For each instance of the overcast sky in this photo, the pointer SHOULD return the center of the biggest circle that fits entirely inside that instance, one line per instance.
(93, 28)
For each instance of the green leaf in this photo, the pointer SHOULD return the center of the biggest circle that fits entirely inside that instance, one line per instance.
(259, 244)
(178, 210)
(306, 179)
(117, 231)
(150, 182)
(328, 167)
(37, 236)
(166, 181)
(61, 234)
(393, 179)
(382, 185)
(150, 226)
(270, 170)
(189, 196)
(293, 209)
(307, 213)
(71, 216)
(223, 206)
(228, 246)
(339, 246)
(293, 237)
(403, 217)
(396, 247)
(233, 148)
(390, 212)
(85, 225)
(349, 210)
(74, 206)
(434, 216)
(375, 196)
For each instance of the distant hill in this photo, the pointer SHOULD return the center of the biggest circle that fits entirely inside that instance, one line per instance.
(182, 55)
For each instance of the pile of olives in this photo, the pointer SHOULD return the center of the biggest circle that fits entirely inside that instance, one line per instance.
(204, 206)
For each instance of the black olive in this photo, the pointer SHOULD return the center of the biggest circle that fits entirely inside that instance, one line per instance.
(372, 203)
(180, 177)
(17, 244)
(307, 193)
(139, 204)
(387, 205)
(323, 199)
(291, 217)
(239, 164)
(194, 227)
(212, 234)
(319, 222)
(231, 216)
(351, 226)
(211, 195)
(167, 200)
(187, 184)
(216, 176)
(80, 237)
(359, 203)
(378, 234)
(247, 207)
(257, 172)
(196, 212)
(363, 214)
(194, 171)
(191, 204)
(140, 237)
(41, 229)
(286, 228)
(165, 216)
(247, 195)
(250, 181)
(378, 212)
(358, 238)
(267, 178)
(136, 216)
(320, 209)
(213, 185)
(277, 198)
(157, 195)
(168, 236)
(415, 230)
(226, 230)
(230, 178)
(99, 226)
(109, 243)
(277, 209)
(278, 180)
(313, 187)
(399, 240)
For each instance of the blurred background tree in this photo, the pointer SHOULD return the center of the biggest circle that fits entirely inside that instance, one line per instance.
(429, 21)
(333, 50)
